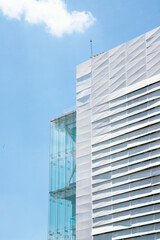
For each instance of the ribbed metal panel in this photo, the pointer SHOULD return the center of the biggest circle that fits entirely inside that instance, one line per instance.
(126, 140)
(83, 154)
(124, 99)
(126, 166)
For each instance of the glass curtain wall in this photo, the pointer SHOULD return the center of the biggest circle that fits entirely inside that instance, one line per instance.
(62, 197)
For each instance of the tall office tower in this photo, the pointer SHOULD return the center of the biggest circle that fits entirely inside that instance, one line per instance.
(118, 143)
(62, 204)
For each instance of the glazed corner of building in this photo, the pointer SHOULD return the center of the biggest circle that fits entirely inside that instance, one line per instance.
(118, 144)
(62, 189)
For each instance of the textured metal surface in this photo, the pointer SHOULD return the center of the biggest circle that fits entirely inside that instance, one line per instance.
(83, 155)
(118, 104)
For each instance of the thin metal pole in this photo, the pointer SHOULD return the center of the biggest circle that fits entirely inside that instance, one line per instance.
(91, 48)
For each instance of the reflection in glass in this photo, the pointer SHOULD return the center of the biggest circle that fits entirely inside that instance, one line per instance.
(62, 199)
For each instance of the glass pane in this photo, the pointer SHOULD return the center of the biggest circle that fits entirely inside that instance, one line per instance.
(62, 197)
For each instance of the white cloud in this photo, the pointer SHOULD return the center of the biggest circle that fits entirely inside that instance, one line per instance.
(53, 13)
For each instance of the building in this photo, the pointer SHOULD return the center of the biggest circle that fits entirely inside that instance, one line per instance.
(115, 194)
(118, 142)
(62, 197)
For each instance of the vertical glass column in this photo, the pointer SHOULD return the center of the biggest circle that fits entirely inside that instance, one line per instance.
(62, 196)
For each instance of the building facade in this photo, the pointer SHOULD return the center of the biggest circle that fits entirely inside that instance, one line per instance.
(62, 197)
(118, 142)
(105, 157)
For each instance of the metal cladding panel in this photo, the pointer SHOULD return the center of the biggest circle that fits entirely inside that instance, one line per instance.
(83, 154)
(124, 113)
(126, 164)
(125, 102)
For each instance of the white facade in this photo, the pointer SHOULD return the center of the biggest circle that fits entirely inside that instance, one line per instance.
(118, 142)
(83, 154)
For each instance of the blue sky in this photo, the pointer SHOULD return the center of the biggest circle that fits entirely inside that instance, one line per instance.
(37, 82)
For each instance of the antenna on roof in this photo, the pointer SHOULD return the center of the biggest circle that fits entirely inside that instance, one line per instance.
(91, 48)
